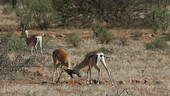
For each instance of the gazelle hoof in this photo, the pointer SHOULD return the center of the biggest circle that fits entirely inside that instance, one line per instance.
(96, 82)
(89, 83)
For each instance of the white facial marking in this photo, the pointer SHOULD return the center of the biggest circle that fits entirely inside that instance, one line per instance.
(26, 32)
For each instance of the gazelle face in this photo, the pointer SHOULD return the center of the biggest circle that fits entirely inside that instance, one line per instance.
(71, 72)
(24, 33)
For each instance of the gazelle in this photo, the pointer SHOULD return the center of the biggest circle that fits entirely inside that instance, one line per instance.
(60, 58)
(33, 40)
(91, 59)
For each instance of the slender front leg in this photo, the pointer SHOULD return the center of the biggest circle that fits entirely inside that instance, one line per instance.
(98, 74)
(98, 60)
(108, 72)
(88, 76)
(36, 44)
(41, 45)
(32, 49)
(59, 76)
(55, 67)
(89, 81)
(54, 72)
(89, 70)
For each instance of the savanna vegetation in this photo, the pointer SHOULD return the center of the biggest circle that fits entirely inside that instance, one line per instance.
(133, 34)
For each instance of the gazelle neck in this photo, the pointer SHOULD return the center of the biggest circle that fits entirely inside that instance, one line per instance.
(81, 65)
(85, 62)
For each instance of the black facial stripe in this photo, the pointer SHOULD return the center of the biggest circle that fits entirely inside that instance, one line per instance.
(96, 58)
(101, 55)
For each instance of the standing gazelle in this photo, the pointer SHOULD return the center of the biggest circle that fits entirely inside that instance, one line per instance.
(91, 59)
(60, 58)
(33, 40)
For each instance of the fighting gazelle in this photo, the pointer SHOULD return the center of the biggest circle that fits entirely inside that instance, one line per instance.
(33, 40)
(60, 58)
(91, 59)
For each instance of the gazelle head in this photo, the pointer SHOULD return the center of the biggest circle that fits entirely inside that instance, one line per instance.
(71, 72)
(24, 33)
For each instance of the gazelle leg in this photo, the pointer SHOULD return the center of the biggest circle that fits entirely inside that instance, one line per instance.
(59, 75)
(36, 44)
(89, 80)
(98, 60)
(54, 68)
(40, 39)
(108, 72)
(32, 49)
(89, 71)
(54, 73)
(96, 67)
(90, 74)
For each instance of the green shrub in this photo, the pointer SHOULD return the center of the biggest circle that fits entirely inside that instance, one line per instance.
(158, 18)
(102, 34)
(74, 39)
(37, 14)
(12, 43)
(157, 44)
(136, 35)
(16, 44)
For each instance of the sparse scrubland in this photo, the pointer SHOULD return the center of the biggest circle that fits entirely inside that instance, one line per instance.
(137, 58)
(134, 69)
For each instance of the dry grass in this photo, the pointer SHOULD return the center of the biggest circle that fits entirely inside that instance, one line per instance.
(127, 63)
(135, 70)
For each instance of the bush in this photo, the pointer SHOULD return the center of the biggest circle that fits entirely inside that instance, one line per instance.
(12, 43)
(73, 39)
(136, 35)
(158, 18)
(158, 44)
(16, 44)
(102, 34)
(37, 14)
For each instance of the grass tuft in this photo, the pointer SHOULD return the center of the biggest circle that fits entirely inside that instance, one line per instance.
(157, 44)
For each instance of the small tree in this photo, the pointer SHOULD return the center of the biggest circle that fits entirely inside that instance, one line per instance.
(158, 18)
(157, 44)
(37, 13)
(102, 34)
